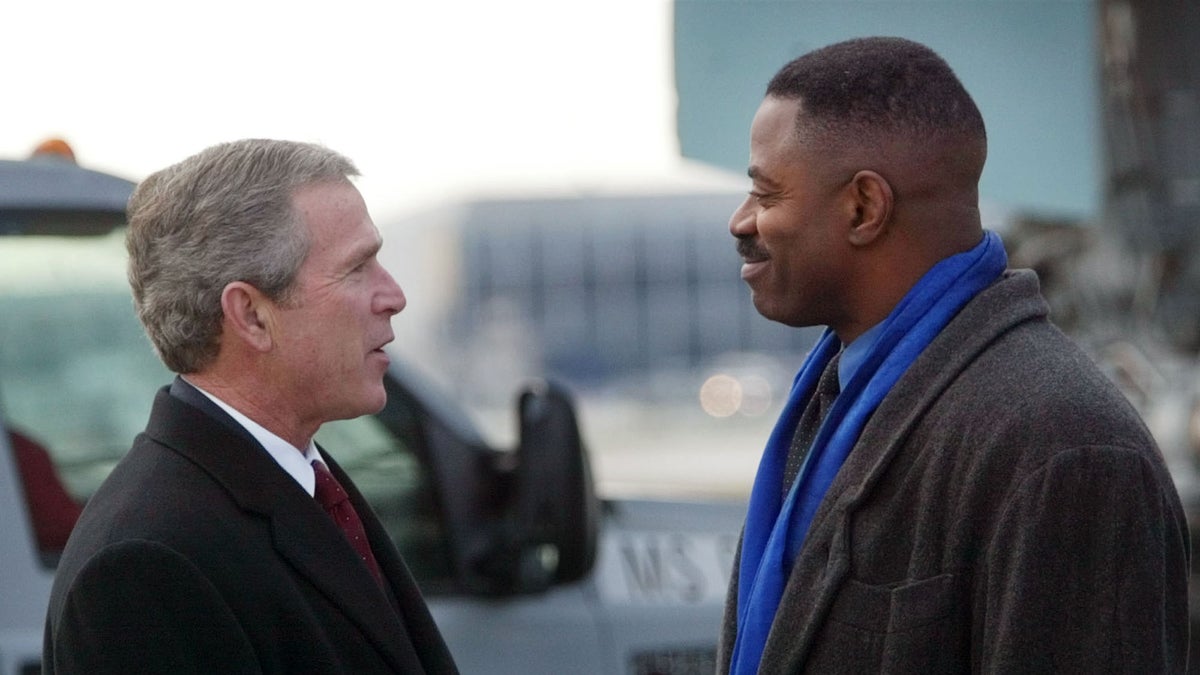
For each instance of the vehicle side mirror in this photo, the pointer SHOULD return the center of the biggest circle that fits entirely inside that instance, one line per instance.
(553, 512)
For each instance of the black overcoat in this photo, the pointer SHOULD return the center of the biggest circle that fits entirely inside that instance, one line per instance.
(199, 554)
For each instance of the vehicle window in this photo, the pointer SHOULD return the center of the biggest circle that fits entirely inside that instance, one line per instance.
(397, 487)
(78, 376)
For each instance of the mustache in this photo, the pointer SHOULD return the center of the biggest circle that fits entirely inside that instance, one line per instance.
(749, 249)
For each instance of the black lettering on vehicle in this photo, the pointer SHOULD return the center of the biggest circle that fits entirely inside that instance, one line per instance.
(643, 574)
(663, 568)
(691, 577)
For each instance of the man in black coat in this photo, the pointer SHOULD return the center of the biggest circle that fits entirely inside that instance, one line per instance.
(254, 271)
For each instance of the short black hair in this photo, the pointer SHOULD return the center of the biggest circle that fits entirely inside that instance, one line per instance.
(879, 84)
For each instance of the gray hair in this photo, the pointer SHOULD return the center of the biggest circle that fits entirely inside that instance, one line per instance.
(222, 215)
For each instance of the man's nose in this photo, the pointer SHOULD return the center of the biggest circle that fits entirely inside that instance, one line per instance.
(741, 223)
(392, 299)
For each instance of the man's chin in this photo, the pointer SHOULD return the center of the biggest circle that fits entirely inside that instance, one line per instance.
(779, 314)
(766, 308)
(369, 404)
(376, 403)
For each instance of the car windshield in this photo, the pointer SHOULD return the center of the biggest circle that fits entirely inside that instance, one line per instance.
(76, 371)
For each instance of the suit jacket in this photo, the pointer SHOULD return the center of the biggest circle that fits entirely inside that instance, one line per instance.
(199, 554)
(1004, 510)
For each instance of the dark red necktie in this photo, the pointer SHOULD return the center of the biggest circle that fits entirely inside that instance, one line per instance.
(336, 502)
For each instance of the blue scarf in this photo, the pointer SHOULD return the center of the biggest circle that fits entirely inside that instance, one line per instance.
(774, 532)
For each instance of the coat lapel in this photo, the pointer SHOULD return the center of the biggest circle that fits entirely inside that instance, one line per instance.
(319, 551)
(824, 562)
(302, 533)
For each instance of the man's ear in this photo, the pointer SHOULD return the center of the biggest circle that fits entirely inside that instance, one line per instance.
(873, 201)
(248, 315)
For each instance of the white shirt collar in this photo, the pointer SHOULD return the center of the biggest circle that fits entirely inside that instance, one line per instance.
(298, 464)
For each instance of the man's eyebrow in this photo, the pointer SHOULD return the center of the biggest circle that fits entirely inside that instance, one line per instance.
(366, 251)
(757, 176)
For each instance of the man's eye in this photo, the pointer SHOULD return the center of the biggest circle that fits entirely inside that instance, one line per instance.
(759, 197)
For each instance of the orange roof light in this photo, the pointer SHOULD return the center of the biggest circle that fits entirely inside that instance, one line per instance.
(54, 147)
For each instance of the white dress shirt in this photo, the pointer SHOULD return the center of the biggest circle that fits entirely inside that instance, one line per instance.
(297, 463)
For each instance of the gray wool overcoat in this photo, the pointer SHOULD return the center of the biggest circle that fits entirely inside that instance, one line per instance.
(1005, 510)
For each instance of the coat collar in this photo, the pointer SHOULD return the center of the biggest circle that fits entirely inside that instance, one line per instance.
(302, 533)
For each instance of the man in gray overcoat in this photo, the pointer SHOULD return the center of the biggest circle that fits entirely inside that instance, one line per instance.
(953, 486)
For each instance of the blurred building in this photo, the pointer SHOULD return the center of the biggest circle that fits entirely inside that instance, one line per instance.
(635, 291)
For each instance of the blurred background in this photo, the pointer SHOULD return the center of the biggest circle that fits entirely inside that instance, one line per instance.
(554, 180)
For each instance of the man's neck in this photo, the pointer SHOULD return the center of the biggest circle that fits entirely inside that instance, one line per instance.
(254, 407)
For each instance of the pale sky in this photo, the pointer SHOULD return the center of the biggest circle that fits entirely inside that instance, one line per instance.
(426, 97)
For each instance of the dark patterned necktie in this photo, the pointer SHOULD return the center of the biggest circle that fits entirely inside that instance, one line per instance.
(810, 422)
(335, 501)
